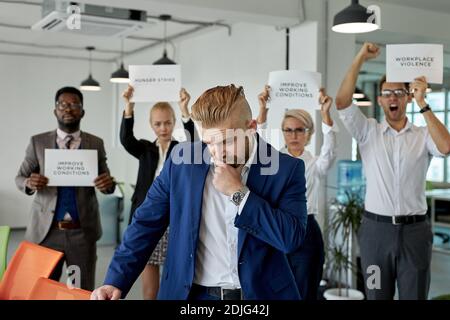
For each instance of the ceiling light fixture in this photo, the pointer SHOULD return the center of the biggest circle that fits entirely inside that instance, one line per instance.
(90, 84)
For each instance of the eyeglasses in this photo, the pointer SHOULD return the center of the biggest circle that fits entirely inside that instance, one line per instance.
(399, 93)
(61, 106)
(290, 131)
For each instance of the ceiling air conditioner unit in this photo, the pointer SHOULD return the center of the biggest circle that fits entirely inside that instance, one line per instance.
(58, 16)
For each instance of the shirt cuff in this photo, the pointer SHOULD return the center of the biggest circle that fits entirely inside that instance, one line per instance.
(185, 119)
(127, 117)
(349, 111)
(262, 125)
(327, 129)
(242, 205)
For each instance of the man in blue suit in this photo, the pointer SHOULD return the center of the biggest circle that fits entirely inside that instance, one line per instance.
(235, 208)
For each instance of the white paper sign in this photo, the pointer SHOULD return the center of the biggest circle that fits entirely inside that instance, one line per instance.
(294, 89)
(404, 62)
(155, 83)
(71, 168)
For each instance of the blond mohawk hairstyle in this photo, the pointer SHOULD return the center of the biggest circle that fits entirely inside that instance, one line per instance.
(216, 105)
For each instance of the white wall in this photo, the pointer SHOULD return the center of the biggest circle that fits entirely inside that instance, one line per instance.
(27, 89)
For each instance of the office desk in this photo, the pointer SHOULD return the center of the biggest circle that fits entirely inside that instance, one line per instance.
(439, 205)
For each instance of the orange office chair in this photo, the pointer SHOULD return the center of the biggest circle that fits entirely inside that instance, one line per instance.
(29, 263)
(46, 289)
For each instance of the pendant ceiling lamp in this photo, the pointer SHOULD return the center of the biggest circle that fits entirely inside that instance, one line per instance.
(120, 75)
(358, 94)
(164, 59)
(361, 99)
(354, 19)
(90, 84)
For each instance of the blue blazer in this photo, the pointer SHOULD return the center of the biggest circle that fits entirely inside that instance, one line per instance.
(271, 224)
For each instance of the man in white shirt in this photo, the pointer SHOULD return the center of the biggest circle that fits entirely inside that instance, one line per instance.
(395, 234)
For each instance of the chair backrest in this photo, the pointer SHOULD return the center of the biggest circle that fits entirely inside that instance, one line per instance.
(46, 289)
(29, 263)
(4, 239)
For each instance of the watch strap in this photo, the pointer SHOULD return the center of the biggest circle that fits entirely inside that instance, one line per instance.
(425, 109)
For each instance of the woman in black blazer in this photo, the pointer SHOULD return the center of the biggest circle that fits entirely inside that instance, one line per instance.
(151, 156)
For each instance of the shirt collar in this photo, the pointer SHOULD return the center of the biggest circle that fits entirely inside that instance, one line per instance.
(62, 135)
(304, 156)
(157, 142)
(385, 126)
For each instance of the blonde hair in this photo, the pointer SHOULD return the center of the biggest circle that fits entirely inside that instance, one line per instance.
(304, 117)
(163, 106)
(216, 105)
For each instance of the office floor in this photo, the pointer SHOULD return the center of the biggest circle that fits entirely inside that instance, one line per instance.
(440, 268)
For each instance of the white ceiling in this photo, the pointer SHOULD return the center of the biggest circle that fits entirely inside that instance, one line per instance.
(25, 41)
(285, 12)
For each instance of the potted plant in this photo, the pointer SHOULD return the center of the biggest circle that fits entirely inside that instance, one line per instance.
(344, 222)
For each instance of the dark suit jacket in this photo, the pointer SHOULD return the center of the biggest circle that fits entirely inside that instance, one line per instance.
(271, 224)
(44, 203)
(147, 154)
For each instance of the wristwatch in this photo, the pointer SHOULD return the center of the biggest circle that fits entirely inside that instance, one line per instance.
(425, 109)
(238, 196)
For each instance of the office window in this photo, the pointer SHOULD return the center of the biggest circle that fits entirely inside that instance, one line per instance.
(436, 170)
(439, 169)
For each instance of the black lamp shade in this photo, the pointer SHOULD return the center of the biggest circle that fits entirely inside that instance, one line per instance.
(354, 19)
(358, 94)
(90, 84)
(364, 102)
(164, 59)
(120, 75)
(361, 99)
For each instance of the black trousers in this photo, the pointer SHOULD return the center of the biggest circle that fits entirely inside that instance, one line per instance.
(402, 254)
(78, 252)
(307, 262)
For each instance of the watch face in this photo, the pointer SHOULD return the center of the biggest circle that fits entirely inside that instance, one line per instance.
(237, 197)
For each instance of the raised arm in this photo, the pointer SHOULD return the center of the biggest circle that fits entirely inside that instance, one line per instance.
(438, 132)
(127, 138)
(328, 149)
(347, 88)
(261, 120)
(188, 124)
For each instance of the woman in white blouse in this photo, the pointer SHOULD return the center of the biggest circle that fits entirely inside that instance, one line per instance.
(298, 128)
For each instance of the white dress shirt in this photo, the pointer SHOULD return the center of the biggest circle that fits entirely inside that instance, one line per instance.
(217, 250)
(316, 167)
(162, 157)
(163, 154)
(395, 163)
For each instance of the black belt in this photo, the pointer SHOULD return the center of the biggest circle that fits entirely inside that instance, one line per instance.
(219, 292)
(395, 219)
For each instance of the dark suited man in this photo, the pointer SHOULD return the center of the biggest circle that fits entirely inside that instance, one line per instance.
(65, 218)
(234, 211)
